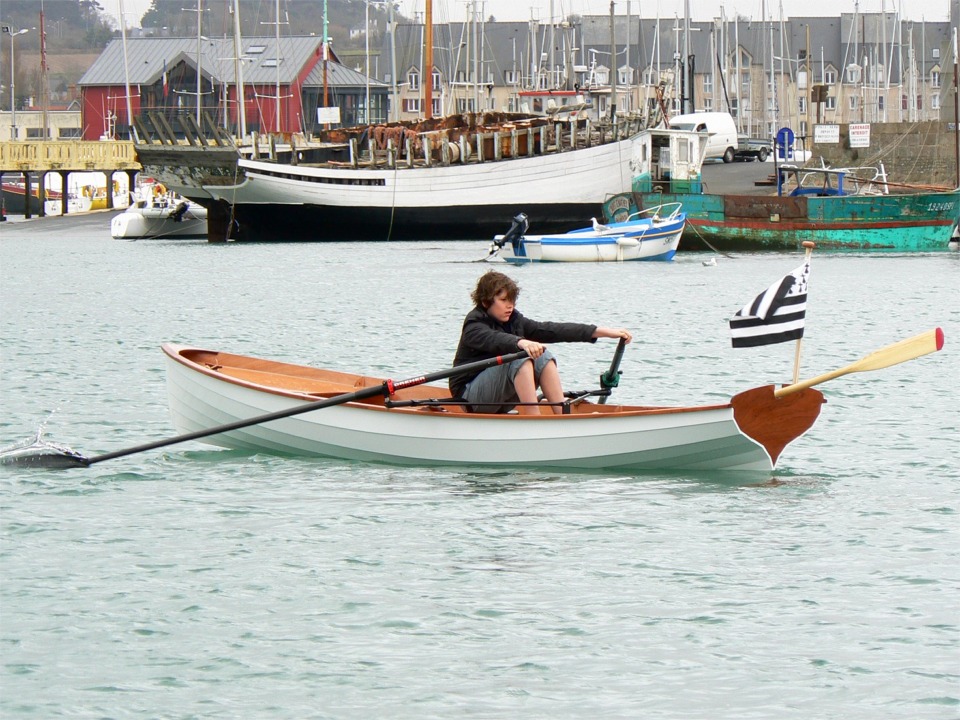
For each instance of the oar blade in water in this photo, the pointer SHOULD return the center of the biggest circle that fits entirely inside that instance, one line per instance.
(43, 457)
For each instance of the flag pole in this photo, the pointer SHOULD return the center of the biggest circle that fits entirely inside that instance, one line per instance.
(796, 356)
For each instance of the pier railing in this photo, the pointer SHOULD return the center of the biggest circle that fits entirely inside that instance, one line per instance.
(70, 155)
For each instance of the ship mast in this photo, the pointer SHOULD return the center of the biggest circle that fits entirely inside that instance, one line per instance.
(428, 60)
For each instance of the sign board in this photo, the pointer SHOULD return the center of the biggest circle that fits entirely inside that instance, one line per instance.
(859, 135)
(785, 139)
(826, 134)
(328, 115)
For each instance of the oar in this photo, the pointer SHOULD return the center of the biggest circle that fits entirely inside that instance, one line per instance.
(386, 388)
(908, 349)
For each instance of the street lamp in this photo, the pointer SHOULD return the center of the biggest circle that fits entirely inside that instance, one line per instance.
(13, 99)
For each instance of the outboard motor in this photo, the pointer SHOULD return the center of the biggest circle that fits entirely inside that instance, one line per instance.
(520, 225)
(178, 212)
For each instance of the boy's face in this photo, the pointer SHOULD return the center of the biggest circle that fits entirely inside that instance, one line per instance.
(501, 308)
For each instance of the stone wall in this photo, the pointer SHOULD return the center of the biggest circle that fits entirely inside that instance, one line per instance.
(917, 153)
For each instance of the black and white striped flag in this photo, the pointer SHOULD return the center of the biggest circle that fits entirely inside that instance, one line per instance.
(776, 315)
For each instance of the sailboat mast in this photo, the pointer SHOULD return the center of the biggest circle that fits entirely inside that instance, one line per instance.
(126, 67)
(238, 70)
(613, 67)
(199, 51)
(326, 55)
(276, 36)
(428, 61)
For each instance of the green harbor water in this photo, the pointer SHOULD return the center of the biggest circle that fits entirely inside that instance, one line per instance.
(194, 582)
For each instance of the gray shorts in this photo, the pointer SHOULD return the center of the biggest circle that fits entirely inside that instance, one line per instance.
(495, 385)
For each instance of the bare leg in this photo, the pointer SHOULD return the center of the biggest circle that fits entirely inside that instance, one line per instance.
(526, 389)
(551, 386)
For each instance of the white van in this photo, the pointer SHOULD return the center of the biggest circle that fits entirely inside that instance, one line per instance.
(723, 132)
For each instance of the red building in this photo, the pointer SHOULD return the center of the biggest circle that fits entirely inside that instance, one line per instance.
(162, 76)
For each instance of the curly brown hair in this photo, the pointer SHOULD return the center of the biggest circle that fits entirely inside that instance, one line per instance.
(491, 284)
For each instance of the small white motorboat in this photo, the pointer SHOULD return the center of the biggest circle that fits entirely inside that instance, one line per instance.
(157, 213)
(651, 234)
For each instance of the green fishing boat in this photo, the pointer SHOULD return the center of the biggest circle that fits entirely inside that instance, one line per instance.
(836, 208)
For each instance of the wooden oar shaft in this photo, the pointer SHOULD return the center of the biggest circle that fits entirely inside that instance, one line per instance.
(909, 349)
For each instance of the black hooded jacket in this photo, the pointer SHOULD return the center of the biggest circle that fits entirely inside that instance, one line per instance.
(483, 337)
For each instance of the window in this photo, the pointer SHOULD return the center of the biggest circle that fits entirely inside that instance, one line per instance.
(624, 76)
(919, 102)
(935, 79)
(413, 80)
(70, 132)
(935, 101)
(936, 53)
(270, 62)
(437, 84)
(831, 103)
(437, 107)
(649, 76)
(411, 105)
(708, 84)
(881, 104)
(854, 102)
(830, 77)
(511, 77)
(802, 106)
(708, 103)
(513, 104)
(853, 74)
(255, 49)
(745, 83)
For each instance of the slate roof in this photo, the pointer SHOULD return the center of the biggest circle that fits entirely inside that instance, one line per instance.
(339, 76)
(146, 56)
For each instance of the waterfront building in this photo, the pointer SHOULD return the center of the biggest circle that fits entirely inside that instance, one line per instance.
(283, 85)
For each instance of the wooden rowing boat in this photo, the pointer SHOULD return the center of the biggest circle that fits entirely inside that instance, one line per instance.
(420, 426)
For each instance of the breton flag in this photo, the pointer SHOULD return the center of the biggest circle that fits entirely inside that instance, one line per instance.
(166, 87)
(776, 315)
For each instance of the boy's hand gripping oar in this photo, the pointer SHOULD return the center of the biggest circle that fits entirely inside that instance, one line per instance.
(386, 388)
(908, 349)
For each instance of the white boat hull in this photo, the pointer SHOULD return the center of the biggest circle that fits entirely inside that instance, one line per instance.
(138, 222)
(464, 201)
(619, 242)
(706, 438)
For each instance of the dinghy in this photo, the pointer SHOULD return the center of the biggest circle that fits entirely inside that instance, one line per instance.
(652, 234)
(422, 426)
(214, 395)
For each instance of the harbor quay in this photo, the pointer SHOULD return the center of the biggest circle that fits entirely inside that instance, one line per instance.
(23, 160)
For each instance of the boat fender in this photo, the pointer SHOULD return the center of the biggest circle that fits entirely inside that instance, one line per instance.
(628, 242)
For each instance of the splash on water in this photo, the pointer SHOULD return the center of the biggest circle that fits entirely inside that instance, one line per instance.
(40, 452)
